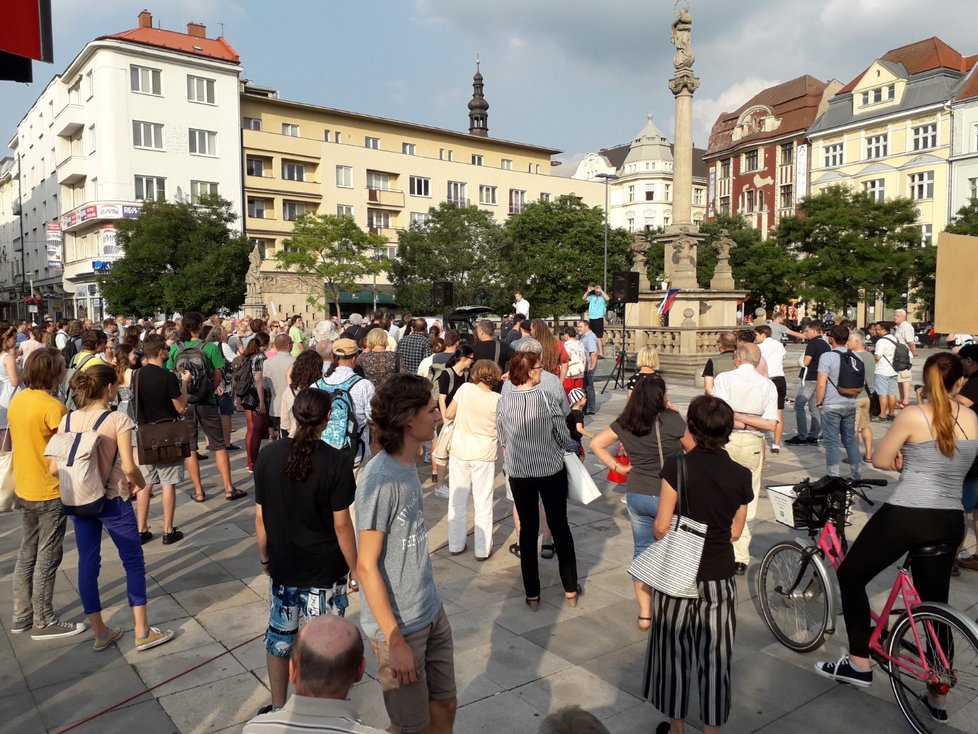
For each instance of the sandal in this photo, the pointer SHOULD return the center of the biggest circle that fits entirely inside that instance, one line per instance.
(235, 494)
(515, 549)
(644, 623)
(199, 497)
(572, 600)
(547, 550)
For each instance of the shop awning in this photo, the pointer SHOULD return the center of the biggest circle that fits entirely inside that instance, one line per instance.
(367, 297)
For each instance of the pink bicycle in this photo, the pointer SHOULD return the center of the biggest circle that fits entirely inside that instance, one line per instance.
(930, 652)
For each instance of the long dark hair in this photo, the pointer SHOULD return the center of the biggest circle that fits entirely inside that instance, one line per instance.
(463, 351)
(257, 344)
(310, 411)
(306, 370)
(643, 408)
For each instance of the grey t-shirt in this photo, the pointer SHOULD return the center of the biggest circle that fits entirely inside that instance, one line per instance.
(778, 331)
(389, 500)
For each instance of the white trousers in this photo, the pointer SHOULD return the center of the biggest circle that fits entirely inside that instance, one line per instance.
(475, 477)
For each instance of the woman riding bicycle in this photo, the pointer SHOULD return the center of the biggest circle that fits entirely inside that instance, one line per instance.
(932, 446)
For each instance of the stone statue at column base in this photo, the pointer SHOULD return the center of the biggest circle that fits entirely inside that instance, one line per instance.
(722, 274)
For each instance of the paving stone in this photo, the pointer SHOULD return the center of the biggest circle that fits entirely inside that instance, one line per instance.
(155, 671)
(226, 595)
(63, 704)
(578, 639)
(19, 713)
(574, 686)
(215, 706)
(148, 716)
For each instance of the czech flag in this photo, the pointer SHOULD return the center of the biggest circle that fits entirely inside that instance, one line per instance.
(667, 301)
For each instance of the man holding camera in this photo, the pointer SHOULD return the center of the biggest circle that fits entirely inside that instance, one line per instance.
(597, 307)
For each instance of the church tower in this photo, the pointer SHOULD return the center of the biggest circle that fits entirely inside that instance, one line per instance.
(478, 107)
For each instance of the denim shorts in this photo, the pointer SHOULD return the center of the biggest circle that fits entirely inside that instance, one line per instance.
(969, 494)
(292, 606)
(642, 509)
(886, 384)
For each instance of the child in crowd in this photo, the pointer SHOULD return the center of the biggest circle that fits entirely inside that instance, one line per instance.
(575, 419)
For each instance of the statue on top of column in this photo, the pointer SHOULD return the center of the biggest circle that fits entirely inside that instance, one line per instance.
(681, 31)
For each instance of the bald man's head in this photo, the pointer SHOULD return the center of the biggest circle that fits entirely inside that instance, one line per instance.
(327, 658)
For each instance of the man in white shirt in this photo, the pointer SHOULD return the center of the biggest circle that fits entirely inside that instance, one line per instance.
(904, 333)
(754, 400)
(773, 352)
(886, 376)
(521, 305)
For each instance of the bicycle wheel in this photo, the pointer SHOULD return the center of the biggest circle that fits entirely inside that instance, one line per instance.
(950, 647)
(797, 619)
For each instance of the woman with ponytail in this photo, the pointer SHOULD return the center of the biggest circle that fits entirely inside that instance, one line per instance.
(254, 401)
(94, 390)
(303, 492)
(932, 446)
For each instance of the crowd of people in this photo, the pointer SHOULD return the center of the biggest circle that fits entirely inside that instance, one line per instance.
(339, 418)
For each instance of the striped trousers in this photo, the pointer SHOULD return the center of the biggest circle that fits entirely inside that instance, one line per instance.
(693, 632)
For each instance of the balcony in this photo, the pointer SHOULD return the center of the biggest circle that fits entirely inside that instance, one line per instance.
(458, 201)
(386, 197)
(72, 169)
(388, 233)
(69, 120)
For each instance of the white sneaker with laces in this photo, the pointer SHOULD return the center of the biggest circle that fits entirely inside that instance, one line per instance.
(441, 491)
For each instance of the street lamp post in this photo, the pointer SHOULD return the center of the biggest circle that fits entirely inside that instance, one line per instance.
(607, 177)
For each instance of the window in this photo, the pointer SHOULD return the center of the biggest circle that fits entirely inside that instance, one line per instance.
(372, 143)
(344, 210)
(545, 197)
(420, 186)
(724, 204)
(787, 196)
(649, 220)
(150, 187)
(974, 135)
(262, 246)
(749, 198)
(926, 234)
(506, 164)
(292, 210)
(650, 192)
(91, 139)
(445, 154)
(336, 137)
(750, 160)
(631, 193)
(667, 219)
(326, 136)
(925, 136)
(876, 146)
(517, 200)
(419, 220)
(147, 135)
(378, 219)
(487, 195)
(973, 188)
(289, 129)
(922, 185)
(631, 224)
(668, 192)
(293, 171)
(725, 168)
(787, 154)
(203, 142)
(202, 188)
(476, 160)
(344, 177)
(698, 197)
(381, 181)
(200, 89)
(255, 167)
(258, 207)
(876, 189)
(407, 148)
(90, 84)
(833, 155)
(456, 193)
(252, 123)
(143, 80)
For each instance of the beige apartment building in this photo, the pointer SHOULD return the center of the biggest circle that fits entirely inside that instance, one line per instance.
(304, 158)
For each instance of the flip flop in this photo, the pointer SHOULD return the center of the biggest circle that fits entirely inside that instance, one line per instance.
(199, 497)
(515, 549)
(235, 494)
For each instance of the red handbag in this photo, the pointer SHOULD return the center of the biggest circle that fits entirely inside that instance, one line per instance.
(622, 459)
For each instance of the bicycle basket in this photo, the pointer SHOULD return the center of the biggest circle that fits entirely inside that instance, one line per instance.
(817, 503)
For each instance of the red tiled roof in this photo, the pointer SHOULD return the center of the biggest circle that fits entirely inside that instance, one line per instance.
(927, 55)
(795, 102)
(213, 48)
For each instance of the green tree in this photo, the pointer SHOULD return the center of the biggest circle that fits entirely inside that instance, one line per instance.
(334, 250)
(554, 249)
(850, 244)
(965, 221)
(457, 244)
(178, 256)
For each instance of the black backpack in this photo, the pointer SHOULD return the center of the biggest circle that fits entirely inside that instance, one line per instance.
(69, 350)
(242, 378)
(852, 374)
(901, 354)
(193, 359)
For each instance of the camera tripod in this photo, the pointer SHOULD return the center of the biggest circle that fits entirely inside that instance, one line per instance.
(622, 361)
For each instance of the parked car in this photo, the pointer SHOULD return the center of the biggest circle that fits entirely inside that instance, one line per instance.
(463, 319)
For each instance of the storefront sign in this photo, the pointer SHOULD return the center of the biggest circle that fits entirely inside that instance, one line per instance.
(53, 240)
(107, 210)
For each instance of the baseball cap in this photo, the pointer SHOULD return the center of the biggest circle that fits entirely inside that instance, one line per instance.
(345, 348)
(576, 395)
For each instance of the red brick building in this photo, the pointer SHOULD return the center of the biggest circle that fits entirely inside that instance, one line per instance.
(758, 155)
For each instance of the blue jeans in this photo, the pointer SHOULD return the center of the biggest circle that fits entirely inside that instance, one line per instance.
(805, 404)
(42, 538)
(839, 422)
(642, 509)
(119, 521)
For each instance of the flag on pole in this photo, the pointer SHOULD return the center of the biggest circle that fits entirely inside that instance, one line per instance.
(667, 301)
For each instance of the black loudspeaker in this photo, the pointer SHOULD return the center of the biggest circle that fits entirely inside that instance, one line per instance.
(442, 293)
(624, 287)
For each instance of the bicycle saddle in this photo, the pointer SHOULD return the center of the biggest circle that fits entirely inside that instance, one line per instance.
(932, 549)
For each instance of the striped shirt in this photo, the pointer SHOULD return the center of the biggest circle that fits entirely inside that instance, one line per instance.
(533, 433)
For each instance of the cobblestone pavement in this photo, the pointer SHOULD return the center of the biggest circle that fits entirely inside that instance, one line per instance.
(513, 666)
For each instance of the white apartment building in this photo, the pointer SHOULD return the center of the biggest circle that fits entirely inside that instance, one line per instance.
(964, 144)
(145, 113)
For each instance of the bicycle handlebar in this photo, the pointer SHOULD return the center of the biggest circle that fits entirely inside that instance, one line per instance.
(868, 483)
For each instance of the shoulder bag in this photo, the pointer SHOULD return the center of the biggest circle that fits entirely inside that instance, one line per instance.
(580, 486)
(160, 442)
(670, 565)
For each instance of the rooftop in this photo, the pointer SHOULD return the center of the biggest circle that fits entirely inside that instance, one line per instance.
(193, 42)
(927, 55)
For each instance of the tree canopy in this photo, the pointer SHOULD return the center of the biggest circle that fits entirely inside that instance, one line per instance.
(332, 249)
(178, 256)
(457, 244)
(965, 221)
(850, 244)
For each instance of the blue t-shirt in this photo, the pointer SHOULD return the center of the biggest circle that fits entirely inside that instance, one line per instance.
(596, 306)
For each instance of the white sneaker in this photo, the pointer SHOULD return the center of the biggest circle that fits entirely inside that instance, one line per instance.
(441, 491)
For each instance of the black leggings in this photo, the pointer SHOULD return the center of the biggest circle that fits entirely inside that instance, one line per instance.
(887, 537)
(552, 491)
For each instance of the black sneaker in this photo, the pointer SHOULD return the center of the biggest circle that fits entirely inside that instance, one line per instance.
(145, 537)
(265, 710)
(937, 713)
(811, 441)
(172, 537)
(843, 672)
(232, 447)
(796, 441)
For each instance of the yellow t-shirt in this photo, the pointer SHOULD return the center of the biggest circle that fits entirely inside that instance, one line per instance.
(34, 418)
(87, 360)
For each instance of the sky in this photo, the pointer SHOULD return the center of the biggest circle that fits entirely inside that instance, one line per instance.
(578, 75)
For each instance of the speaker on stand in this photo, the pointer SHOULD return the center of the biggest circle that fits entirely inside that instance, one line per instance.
(442, 294)
(624, 290)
